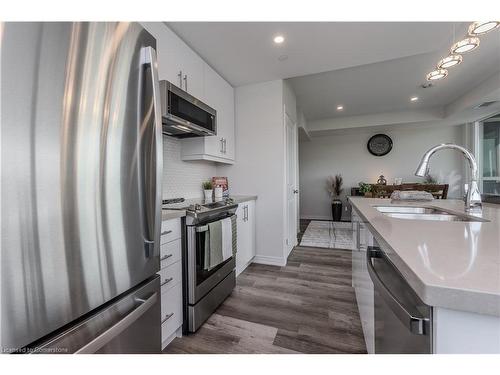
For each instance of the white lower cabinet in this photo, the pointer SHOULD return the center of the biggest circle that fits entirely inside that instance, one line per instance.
(245, 235)
(361, 281)
(171, 281)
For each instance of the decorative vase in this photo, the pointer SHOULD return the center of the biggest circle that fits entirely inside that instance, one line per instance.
(337, 210)
(208, 194)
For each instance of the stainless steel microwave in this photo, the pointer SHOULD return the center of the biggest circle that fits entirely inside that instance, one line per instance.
(183, 115)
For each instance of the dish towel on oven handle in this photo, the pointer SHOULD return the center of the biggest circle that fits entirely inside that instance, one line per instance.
(227, 238)
(213, 247)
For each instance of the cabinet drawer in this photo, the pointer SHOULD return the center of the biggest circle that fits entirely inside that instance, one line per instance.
(170, 276)
(170, 253)
(171, 308)
(170, 230)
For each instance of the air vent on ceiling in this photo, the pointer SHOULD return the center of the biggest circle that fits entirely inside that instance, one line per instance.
(485, 104)
(426, 85)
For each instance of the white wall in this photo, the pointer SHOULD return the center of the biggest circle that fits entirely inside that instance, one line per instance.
(259, 167)
(347, 154)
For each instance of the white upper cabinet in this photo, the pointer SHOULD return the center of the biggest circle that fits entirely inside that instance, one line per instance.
(180, 65)
(219, 95)
(177, 63)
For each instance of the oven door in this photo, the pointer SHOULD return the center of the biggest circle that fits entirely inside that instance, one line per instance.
(201, 280)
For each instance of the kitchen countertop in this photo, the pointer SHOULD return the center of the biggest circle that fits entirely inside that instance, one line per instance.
(174, 214)
(243, 198)
(453, 265)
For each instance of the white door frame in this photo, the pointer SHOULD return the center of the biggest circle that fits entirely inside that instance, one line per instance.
(290, 239)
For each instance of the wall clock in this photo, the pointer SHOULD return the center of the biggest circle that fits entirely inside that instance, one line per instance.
(379, 145)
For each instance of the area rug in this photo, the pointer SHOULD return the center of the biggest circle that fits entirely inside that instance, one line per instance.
(328, 234)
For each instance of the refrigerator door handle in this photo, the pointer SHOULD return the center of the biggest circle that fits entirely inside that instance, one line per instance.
(153, 244)
(108, 335)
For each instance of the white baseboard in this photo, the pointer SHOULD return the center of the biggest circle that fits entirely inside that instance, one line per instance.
(271, 261)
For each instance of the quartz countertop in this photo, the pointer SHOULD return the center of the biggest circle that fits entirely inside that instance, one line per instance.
(172, 214)
(243, 198)
(167, 214)
(454, 265)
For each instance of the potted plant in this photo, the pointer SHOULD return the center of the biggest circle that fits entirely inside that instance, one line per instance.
(207, 190)
(334, 185)
(366, 189)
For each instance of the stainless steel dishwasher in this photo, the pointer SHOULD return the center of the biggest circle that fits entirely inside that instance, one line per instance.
(403, 323)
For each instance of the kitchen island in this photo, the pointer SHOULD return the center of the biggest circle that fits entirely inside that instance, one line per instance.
(453, 266)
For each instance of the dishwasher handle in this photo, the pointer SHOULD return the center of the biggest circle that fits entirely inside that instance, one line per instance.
(416, 324)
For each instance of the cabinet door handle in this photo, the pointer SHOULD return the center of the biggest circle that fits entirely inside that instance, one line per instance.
(167, 318)
(165, 257)
(166, 232)
(185, 82)
(222, 145)
(180, 78)
(167, 281)
(225, 145)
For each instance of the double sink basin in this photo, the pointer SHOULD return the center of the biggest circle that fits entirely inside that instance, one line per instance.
(424, 213)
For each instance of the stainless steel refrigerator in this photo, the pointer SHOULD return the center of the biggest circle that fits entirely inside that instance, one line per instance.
(81, 159)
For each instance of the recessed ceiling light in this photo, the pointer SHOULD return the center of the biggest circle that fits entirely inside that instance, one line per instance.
(449, 61)
(466, 45)
(481, 27)
(437, 74)
(340, 108)
(414, 98)
(278, 39)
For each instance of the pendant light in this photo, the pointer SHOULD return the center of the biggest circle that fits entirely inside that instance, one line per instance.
(482, 27)
(437, 74)
(465, 45)
(449, 61)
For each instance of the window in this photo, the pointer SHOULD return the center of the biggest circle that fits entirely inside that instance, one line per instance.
(489, 155)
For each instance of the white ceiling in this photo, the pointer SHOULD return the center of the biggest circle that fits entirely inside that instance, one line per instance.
(244, 52)
(387, 86)
(367, 67)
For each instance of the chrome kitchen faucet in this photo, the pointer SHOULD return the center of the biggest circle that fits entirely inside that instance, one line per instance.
(472, 197)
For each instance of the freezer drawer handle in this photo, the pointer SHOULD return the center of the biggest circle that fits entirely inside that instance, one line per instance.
(119, 327)
(167, 281)
(167, 318)
(166, 232)
(165, 257)
(414, 323)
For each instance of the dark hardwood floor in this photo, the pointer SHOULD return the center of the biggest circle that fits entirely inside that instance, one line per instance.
(308, 306)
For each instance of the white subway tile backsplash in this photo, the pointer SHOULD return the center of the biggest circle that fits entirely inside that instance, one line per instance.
(183, 178)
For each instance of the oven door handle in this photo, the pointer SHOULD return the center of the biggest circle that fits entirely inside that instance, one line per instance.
(416, 324)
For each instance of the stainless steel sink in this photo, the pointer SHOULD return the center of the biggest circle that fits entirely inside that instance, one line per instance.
(409, 210)
(423, 213)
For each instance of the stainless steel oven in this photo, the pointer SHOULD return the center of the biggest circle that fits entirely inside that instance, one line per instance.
(207, 287)
(403, 323)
